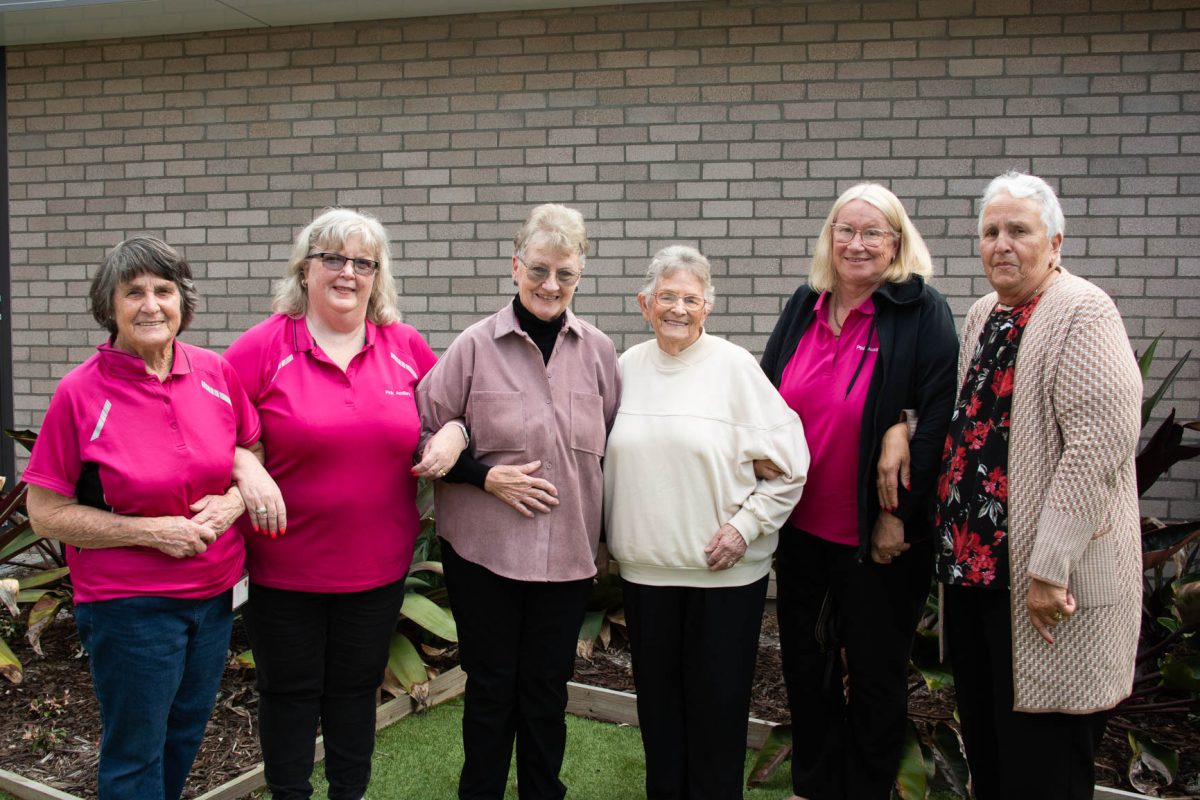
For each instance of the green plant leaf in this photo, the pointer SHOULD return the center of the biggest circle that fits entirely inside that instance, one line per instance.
(10, 665)
(245, 659)
(1163, 450)
(590, 629)
(775, 751)
(405, 663)
(950, 755)
(17, 540)
(1182, 672)
(430, 616)
(43, 577)
(412, 584)
(1152, 766)
(916, 767)
(1150, 402)
(40, 616)
(1147, 358)
(427, 566)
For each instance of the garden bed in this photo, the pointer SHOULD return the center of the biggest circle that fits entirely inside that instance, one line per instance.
(50, 727)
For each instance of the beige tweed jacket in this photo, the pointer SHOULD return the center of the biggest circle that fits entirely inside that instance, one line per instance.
(1073, 507)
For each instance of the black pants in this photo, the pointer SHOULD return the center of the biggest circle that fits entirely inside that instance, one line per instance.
(517, 644)
(320, 658)
(999, 740)
(693, 664)
(847, 747)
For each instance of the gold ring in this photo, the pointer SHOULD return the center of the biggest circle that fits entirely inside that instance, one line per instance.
(1058, 616)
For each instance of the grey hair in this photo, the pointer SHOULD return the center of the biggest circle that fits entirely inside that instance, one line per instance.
(1020, 185)
(141, 255)
(679, 258)
(562, 227)
(331, 231)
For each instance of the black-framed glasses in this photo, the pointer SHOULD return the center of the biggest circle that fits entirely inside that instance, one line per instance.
(691, 302)
(540, 273)
(336, 262)
(871, 237)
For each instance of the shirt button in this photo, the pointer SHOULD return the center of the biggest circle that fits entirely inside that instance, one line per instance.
(549, 465)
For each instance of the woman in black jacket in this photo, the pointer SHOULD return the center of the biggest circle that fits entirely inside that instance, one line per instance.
(864, 344)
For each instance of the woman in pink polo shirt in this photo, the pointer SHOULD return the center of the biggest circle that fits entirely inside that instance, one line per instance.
(333, 374)
(538, 388)
(132, 472)
(863, 340)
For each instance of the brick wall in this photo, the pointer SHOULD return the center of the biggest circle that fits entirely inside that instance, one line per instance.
(728, 125)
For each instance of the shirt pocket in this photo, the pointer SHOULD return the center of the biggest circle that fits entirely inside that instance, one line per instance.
(1095, 580)
(497, 421)
(588, 431)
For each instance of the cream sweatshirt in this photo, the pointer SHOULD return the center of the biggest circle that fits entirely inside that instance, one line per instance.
(679, 463)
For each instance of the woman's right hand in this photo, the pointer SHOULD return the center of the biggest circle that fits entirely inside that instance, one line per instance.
(893, 466)
(180, 537)
(515, 486)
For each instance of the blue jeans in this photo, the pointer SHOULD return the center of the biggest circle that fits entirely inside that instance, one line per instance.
(156, 665)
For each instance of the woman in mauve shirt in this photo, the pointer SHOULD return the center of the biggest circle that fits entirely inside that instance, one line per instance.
(863, 340)
(519, 519)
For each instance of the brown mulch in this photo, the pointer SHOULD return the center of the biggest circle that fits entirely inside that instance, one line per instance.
(50, 725)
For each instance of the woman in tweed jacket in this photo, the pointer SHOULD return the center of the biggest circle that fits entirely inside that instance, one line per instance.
(1040, 551)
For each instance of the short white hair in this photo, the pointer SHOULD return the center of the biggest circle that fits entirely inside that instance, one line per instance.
(679, 258)
(1020, 185)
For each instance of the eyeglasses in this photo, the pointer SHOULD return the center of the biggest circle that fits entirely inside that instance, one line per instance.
(337, 262)
(871, 237)
(540, 273)
(691, 302)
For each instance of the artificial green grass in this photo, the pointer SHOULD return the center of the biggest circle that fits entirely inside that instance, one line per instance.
(420, 756)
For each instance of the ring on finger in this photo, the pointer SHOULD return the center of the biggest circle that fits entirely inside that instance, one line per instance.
(260, 510)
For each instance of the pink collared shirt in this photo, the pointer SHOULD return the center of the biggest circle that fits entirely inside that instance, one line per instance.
(518, 410)
(115, 436)
(339, 445)
(814, 384)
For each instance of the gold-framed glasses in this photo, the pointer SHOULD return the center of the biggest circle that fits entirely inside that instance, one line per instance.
(871, 237)
(691, 302)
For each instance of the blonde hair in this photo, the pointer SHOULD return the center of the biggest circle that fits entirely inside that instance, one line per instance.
(563, 228)
(679, 258)
(330, 232)
(912, 256)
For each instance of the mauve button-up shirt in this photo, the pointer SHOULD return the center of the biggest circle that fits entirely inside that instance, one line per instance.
(518, 410)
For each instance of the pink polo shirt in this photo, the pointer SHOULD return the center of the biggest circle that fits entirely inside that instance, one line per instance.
(116, 437)
(340, 446)
(814, 384)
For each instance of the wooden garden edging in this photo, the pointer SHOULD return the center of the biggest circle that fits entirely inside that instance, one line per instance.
(449, 684)
(592, 702)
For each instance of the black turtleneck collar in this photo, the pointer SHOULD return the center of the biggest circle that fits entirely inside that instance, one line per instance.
(544, 333)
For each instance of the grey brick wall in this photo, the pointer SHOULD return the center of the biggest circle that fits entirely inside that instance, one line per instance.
(728, 125)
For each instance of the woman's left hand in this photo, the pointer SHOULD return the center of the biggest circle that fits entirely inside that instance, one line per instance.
(441, 453)
(217, 512)
(887, 540)
(725, 548)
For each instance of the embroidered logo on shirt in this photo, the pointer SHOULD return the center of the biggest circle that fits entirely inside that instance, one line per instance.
(217, 393)
(402, 393)
(282, 364)
(100, 422)
(869, 349)
(411, 371)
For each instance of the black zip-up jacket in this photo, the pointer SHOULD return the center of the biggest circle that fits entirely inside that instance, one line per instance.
(916, 368)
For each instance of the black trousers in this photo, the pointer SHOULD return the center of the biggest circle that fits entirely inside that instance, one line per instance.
(998, 739)
(517, 645)
(847, 747)
(693, 665)
(320, 658)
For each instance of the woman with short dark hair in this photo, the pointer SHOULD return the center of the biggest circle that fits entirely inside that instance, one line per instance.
(133, 472)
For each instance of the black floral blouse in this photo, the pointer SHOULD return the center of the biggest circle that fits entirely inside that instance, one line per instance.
(971, 514)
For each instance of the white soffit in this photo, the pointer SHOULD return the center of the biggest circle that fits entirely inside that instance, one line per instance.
(26, 22)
